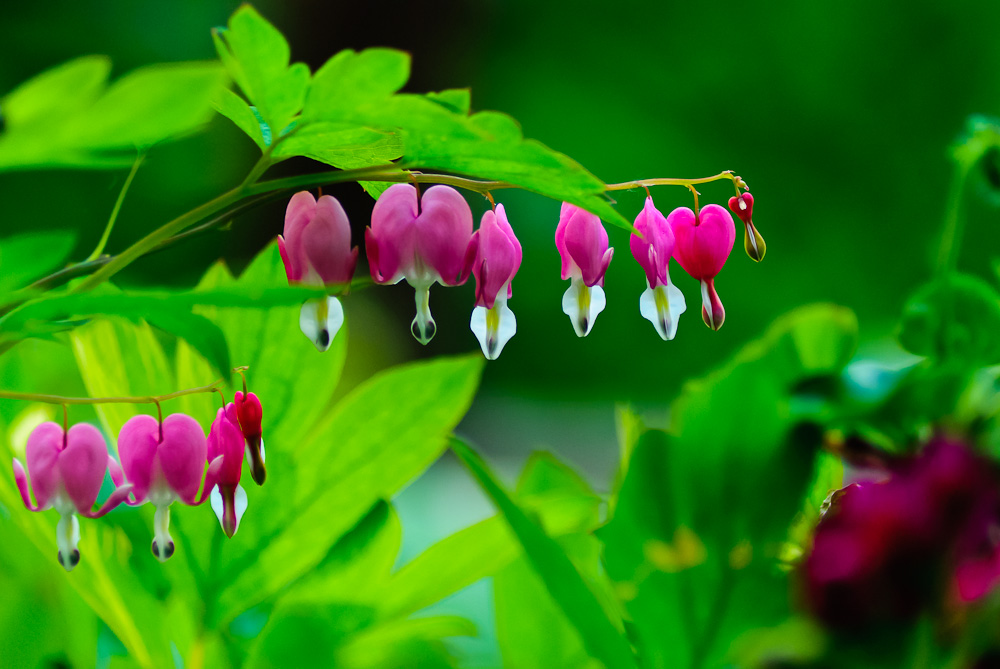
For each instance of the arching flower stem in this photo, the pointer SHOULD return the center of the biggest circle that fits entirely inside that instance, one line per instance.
(146, 399)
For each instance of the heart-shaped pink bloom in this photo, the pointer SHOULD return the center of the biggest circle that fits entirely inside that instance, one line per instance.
(424, 242)
(316, 246)
(424, 245)
(165, 462)
(67, 470)
(583, 245)
(702, 246)
(496, 254)
(226, 441)
(168, 465)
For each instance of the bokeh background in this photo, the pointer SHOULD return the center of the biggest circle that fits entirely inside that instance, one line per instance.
(839, 117)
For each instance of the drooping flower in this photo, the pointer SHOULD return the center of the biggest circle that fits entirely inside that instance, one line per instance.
(165, 462)
(496, 257)
(662, 303)
(583, 247)
(228, 498)
(316, 250)
(754, 244)
(246, 412)
(702, 245)
(67, 469)
(423, 240)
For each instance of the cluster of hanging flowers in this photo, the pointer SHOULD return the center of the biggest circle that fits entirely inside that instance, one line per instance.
(162, 461)
(429, 239)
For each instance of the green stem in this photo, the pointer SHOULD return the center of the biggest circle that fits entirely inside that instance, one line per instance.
(114, 212)
(146, 399)
(954, 222)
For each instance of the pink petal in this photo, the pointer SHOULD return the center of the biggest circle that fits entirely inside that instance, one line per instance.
(566, 211)
(443, 231)
(300, 211)
(744, 214)
(586, 243)
(45, 443)
(496, 262)
(327, 242)
(137, 444)
(21, 479)
(182, 454)
(702, 250)
(211, 480)
(653, 250)
(117, 496)
(115, 469)
(712, 311)
(226, 440)
(290, 271)
(82, 465)
(391, 235)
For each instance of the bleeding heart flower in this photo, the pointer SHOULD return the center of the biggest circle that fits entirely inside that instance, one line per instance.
(316, 250)
(495, 257)
(67, 470)
(583, 247)
(662, 303)
(703, 243)
(754, 244)
(228, 498)
(247, 413)
(421, 240)
(165, 462)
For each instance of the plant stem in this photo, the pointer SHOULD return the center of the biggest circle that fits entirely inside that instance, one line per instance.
(954, 221)
(118, 205)
(147, 399)
(687, 183)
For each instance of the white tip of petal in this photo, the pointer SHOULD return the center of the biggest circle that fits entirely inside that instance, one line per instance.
(582, 304)
(321, 320)
(423, 327)
(662, 306)
(263, 458)
(241, 504)
(493, 327)
(68, 540)
(215, 499)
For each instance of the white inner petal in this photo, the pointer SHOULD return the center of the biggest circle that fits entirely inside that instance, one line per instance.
(240, 500)
(662, 306)
(582, 304)
(215, 499)
(240, 505)
(423, 327)
(321, 319)
(161, 532)
(493, 327)
(67, 539)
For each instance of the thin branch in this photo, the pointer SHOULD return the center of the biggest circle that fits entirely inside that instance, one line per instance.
(145, 399)
(118, 205)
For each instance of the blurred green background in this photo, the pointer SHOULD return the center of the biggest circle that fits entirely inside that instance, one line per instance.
(837, 115)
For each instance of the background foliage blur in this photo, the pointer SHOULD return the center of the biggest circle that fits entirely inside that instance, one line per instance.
(838, 117)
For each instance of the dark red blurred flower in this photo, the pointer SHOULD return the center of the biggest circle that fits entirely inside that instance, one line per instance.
(925, 536)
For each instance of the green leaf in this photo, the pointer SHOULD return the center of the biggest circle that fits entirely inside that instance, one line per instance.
(56, 94)
(351, 79)
(458, 100)
(376, 439)
(147, 106)
(471, 554)
(342, 145)
(202, 334)
(567, 587)
(954, 318)
(246, 118)
(29, 255)
(256, 55)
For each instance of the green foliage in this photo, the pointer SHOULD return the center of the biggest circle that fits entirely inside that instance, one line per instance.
(28, 255)
(69, 117)
(954, 319)
(566, 585)
(256, 56)
(700, 515)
